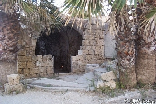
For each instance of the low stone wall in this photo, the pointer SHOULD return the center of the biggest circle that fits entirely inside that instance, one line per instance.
(36, 66)
(28, 63)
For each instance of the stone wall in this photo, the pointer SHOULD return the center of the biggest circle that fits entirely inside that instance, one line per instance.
(28, 63)
(92, 49)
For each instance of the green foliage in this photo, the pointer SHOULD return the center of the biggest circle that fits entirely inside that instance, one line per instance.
(119, 85)
(140, 85)
(48, 85)
(154, 86)
(82, 8)
(151, 13)
(44, 13)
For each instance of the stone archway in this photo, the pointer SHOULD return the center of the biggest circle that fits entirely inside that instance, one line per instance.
(62, 44)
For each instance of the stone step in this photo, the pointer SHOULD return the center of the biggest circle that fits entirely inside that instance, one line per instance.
(56, 88)
(54, 84)
(98, 71)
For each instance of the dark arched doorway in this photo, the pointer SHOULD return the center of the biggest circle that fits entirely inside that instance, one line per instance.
(62, 44)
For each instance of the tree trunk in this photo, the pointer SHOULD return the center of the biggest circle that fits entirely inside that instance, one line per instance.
(145, 67)
(146, 45)
(126, 51)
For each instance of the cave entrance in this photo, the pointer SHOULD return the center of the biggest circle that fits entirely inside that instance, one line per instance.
(62, 44)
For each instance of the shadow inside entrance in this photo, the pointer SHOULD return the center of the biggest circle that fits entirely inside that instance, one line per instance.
(62, 44)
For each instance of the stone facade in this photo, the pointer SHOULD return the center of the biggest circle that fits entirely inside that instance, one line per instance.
(92, 49)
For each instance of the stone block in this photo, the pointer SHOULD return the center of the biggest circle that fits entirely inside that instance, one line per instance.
(42, 69)
(28, 51)
(101, 36)
(49, 58)
(38, 63)
(33, 41)
(41, 74)
(34, 58)
(21, 65)
(85, 52)
(35, 70)
(89, 57)
(100, 84)
(39, 57)
(82, 47)
(21, 52)
(34, 75)
(98, 47)
(85, 42)
(50, 70)
(29, 58)
(93, 42)
(30, 64)
(20, 71)
(108, 76)
(21, 58)
(93, 47)
(80, 52)
(44, 58)
(97, 52)
(26, 72)
(85, 37)
(111, 84)
(13, 88)
(88, 47)
(31, 52)
(91, 67)
(101, 42)
(49, 63)
(13, 79)
(74, 58)
(79, 57)
(91, 37)
(91, 52)
(44, 63)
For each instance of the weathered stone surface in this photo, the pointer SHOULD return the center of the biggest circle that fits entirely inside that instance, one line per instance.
(39, 57)
(38, 63)
(21, 65)
(13, 88)
(100, 84)
(91, 67)
(111, 84)
(13, 79)
(21, 58)
(22, 52)
(108, 76)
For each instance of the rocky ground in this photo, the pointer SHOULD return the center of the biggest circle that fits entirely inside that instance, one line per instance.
(33, 96)
(74, 89)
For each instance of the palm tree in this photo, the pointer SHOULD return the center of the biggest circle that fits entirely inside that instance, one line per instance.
(135, 37)
(33, 13)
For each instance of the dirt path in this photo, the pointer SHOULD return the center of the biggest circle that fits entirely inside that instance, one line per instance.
(42, 97)
(34, 96)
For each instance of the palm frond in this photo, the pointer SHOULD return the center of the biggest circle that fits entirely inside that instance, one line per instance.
(43, 13)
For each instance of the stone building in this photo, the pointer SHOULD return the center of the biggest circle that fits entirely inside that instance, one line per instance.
(42, 53)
